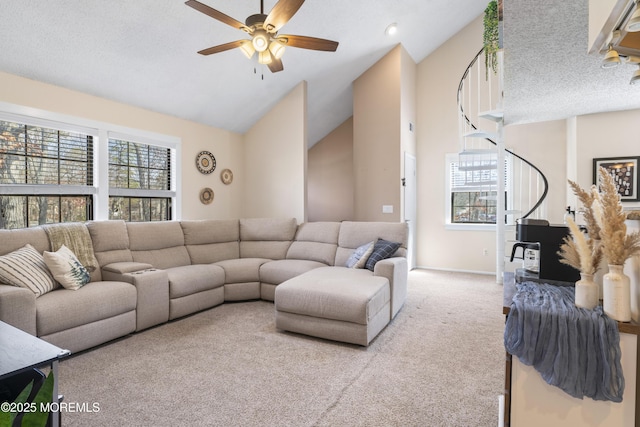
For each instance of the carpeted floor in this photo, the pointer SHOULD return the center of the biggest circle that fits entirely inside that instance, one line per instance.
(439, 363)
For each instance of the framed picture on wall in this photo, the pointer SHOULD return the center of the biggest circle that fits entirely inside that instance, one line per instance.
(624, 171)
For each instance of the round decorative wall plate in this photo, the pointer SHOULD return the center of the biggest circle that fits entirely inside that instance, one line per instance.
(206, 195)
(205, 162)
(226, 176)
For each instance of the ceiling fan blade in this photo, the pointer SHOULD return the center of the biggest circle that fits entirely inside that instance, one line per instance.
(221, 47)
(200, 7)
(275, 65)
(280, 14)
(305, 42)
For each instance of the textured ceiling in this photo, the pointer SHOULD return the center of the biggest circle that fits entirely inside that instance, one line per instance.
(143, 52)
(548, 73)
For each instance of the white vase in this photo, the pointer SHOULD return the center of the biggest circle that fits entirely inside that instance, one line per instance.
(586, 292)
(632, 269)
(617, 294)
(600, 272)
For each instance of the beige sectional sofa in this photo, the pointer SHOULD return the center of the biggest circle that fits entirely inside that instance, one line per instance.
(153, 272)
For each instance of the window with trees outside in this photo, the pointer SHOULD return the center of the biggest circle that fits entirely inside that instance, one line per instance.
(139, 174)
(472, 188)
(56, 168)
(49, 172)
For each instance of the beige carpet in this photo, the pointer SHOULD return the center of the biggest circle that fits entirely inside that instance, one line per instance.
(439, 363)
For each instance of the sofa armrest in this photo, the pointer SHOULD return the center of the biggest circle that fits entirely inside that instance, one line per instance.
(18, 308)
(396, 271)
(152, 286)
(126, 267)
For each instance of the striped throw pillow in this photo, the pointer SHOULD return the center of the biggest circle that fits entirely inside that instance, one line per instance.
(25, 268)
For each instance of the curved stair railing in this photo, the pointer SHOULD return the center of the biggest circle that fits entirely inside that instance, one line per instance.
(479, 99)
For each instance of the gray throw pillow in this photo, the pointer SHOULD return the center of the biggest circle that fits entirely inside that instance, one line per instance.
(360, 256)
(383, 249)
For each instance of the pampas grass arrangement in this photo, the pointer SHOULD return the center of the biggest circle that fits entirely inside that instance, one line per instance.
(588, 198)
(579, 252)
(618, 246)
(604, 219)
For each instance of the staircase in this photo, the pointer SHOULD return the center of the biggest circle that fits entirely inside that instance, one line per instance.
(482, 135)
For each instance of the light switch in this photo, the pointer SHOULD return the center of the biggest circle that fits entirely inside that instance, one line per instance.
(387, 208)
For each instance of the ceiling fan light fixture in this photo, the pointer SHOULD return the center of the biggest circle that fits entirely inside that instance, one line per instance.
(264, 57)
(611, 59)
(247, 48)
(260, 40)
(277, 49)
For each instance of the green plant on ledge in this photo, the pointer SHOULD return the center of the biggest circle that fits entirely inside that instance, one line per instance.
(490, 38)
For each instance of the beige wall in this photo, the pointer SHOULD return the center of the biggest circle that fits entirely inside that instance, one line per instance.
(408, 101)
(275, 160)
(605, 135)
(226, 146)
(376, 139)
(544, 145)
(437, 135)
(330, 176)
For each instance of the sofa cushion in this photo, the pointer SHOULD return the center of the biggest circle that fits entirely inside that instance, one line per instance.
(110, 241)
(16, 239)
(66, 268)
(315, 241)
(64, 309)
(242, 270)
(354, 234)
(266, 237)
(26, 268)
(191, 279)
(160, 244)
(209, 241)
(338, 293)
(382, 249)
(276, 272)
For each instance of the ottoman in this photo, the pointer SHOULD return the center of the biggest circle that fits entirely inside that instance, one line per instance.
(336, 303)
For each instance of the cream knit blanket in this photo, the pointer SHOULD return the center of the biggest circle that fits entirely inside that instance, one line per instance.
(76, 237)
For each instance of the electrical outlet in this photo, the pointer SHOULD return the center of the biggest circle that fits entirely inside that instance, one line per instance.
(387, 209)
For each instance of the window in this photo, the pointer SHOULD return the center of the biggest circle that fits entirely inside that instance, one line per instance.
(472, 187)
(46, 175)
(58, 168)
(144, 172)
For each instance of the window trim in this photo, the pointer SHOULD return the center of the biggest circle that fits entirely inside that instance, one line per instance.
(101, 131)
(453, 157)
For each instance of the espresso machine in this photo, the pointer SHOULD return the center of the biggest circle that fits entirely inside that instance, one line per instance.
(538, 235)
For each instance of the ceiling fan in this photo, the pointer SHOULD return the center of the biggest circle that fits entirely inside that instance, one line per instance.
(263, 30)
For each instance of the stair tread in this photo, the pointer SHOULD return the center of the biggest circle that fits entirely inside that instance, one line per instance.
(481, 134)
(493, 115)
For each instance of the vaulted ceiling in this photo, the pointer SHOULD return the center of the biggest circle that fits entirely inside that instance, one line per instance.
(143, 53)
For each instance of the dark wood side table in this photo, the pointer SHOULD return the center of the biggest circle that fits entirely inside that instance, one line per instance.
(20, 352)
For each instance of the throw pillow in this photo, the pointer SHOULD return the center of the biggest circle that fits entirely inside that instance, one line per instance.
(25, 268)
(360, 256)
(66, 268)
(383, 249)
